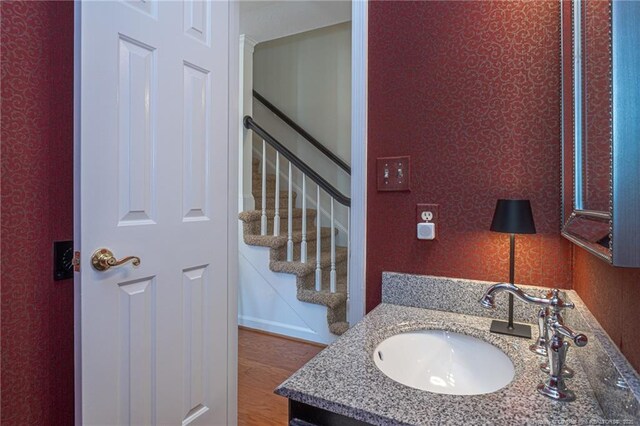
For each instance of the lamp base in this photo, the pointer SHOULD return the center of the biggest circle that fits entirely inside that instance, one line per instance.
(518, 330)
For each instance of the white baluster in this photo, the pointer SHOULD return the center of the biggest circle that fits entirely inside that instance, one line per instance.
(332, 274)
(290, 221)
(263, 218)
(318, 248)
(276, 217)
(303, 244)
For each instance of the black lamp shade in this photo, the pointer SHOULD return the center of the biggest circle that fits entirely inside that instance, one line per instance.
(513, 217)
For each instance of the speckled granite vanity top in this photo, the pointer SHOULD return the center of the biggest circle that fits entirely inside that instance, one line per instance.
(343, 378)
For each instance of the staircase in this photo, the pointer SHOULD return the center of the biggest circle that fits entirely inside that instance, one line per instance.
(296, 253)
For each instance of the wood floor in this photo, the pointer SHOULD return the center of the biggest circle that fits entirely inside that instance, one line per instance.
(265, 361)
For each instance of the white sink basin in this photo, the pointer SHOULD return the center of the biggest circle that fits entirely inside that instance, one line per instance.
(444, 362)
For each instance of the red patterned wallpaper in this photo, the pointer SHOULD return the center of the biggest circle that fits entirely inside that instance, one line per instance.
(613, 296)
(471, 91)
(37, 208)
(469, 94)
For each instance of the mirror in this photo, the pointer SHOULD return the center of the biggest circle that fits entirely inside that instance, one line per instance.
(601, 152)
(592, 21)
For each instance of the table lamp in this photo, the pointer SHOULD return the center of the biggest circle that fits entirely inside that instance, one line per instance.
(512, 217)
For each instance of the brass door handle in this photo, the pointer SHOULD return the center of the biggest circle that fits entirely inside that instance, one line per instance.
(103, 259)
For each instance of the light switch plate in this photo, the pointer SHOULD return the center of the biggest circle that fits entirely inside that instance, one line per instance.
(393, 173)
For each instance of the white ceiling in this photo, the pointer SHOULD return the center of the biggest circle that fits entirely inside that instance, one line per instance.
(267, 20)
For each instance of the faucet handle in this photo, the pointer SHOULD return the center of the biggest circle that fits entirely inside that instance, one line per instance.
(540, 347)
(556, 302)
(578, 338)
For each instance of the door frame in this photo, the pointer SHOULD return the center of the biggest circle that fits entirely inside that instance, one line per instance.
(358, 213)
(232, 222)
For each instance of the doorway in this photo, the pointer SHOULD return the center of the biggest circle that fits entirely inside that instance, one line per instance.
(277, 91)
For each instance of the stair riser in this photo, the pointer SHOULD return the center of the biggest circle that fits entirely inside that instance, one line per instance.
(309, 281)
(341, 272)
(341, 284)
(271, 201)
(256, 185)
(256, 171)
(337, 314)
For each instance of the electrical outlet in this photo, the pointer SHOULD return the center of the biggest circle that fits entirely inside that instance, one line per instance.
(428, 213)
(393, 173)
(427, 216)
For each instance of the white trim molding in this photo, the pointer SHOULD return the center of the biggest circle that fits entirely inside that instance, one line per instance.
(77, 146)
(233, 190)
(358, 219)
(245, 47)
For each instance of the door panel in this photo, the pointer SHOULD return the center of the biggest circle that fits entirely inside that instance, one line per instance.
(137, 106)
(154, 93)
(195, 288)
(197, 101)
(196, 20)
(137, 340)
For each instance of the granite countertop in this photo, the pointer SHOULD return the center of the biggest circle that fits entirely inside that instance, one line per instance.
(344, 379)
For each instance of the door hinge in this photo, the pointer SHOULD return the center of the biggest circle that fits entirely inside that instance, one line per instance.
(76, 261)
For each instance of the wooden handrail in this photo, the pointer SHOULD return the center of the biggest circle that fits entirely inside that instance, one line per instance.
(313, 141)
(301, 165)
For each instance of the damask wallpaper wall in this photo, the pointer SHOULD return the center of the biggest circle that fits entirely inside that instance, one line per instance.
(471, 91)
(37, 208)
(613, 296)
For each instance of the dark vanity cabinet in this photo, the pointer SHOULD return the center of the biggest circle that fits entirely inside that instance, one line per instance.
(301, 414)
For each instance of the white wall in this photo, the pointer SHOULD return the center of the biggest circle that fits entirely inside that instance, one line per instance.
(265, 20)
(308, 77)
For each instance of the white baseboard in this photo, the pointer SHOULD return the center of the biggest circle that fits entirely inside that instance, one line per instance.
(278, 328)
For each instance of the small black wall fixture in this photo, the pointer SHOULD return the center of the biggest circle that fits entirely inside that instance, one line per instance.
(62, 260)
(512, 217)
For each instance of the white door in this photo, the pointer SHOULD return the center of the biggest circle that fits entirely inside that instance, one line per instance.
(154, 93)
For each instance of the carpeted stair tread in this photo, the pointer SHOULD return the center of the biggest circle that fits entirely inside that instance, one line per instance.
(325, 298)
(339, 328)
(256, 215)
(281, 240)
(302, 269)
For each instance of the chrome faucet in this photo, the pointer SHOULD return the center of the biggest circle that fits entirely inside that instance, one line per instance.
(540, 346)
(551, 342)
